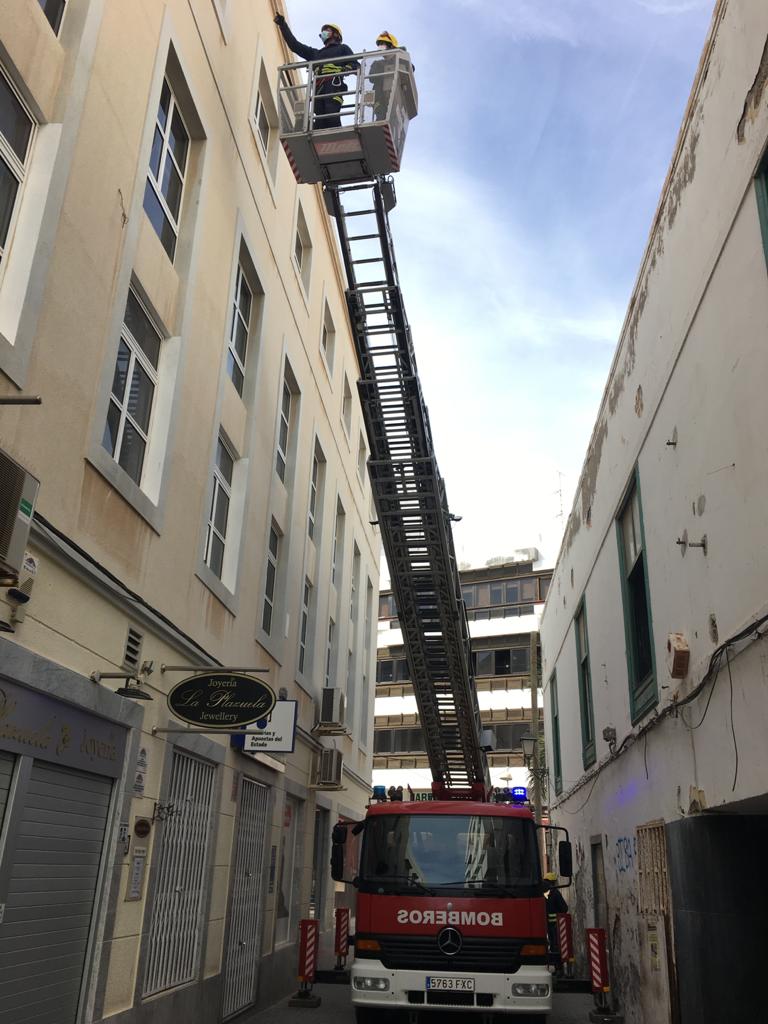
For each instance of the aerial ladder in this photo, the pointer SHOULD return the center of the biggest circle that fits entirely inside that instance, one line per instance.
(354, 164)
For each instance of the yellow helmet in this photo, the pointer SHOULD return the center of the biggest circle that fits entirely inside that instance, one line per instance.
(388, 38)
(336, 29)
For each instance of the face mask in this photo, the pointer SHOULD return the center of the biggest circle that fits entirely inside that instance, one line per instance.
(383, 46)
(325, 35)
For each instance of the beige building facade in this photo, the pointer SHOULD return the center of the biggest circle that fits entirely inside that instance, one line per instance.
(177, 302)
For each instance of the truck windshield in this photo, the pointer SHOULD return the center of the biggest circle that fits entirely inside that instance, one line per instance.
(442, 851)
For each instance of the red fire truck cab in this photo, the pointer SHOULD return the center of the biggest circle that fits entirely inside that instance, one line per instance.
(450, 911)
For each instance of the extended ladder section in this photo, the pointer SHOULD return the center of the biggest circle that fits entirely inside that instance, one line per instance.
(409, 493)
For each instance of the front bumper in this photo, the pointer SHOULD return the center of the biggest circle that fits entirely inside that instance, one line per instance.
(408, 990)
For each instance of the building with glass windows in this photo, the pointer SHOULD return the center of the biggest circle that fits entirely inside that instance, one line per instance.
(504, 601)
(654, 659)
(177, 302)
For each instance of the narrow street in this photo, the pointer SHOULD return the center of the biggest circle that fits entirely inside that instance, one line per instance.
(337, 1009)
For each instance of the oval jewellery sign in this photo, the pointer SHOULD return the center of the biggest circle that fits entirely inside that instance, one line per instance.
(221, 700)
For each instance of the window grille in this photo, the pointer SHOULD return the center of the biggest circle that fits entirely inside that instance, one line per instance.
(176, 928)
(652, 874)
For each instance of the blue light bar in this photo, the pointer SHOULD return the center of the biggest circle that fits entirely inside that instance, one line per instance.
(380, 793)
(519, 794)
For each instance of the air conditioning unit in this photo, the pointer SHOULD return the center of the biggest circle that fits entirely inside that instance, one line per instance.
(332, 706)
(18, 493)
(331, 766)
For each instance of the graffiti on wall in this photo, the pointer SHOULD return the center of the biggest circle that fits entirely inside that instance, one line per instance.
(626, 853)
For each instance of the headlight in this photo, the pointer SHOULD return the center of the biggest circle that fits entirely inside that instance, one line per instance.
(373, 984)
(530, 990)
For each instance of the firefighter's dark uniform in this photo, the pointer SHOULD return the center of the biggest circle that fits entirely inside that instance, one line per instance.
(330, 89)
(555, 905)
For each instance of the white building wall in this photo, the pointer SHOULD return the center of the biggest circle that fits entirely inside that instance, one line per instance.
(690, 367)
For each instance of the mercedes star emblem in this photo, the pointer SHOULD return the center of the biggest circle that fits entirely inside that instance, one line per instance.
(449, 941)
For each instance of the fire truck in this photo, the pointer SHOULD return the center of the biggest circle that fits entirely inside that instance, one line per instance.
(450, 911)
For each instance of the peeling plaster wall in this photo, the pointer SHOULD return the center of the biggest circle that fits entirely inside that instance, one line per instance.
(690, 368)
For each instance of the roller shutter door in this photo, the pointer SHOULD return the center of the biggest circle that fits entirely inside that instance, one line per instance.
(50, 895)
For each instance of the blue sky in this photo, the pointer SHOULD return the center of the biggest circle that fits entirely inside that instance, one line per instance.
(529, 182)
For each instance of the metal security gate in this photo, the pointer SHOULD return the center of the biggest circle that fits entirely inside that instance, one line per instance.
(176, 927)
(7, 762)
(51, 872)
(244, 945)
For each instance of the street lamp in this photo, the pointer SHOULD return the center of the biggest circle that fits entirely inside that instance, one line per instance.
(528, 743)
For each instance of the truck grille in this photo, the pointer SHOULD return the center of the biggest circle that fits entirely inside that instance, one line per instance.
(420, 952)
(416, 998)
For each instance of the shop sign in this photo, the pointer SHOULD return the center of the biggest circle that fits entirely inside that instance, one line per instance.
(275, 734)
(221, 700)
(40, 726)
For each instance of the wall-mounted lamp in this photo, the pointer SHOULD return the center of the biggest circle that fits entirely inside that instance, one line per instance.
(135, 692)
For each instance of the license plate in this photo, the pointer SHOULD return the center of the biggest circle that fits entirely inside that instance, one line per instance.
(452, 984)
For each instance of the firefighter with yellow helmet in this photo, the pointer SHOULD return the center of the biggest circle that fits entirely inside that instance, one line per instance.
(381, 74)
(555, 905)
(330, 86)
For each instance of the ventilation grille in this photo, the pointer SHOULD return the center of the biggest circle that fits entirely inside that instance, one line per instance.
(11, 485)
(132, 652)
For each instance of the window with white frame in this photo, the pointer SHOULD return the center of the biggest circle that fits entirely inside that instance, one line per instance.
(338, 543)
(240, 330)
(167, 167)
(355, 586)
(328, 337)
(346, 406)
(283, 430)
(316, 482)
(306, 603)
(54, 12)
(218, 517)
(129, 415)
(270, 583)
(302, 249)
(16, 129)
(350, 708)
(362, 457)
(265, 122)
(329, 652)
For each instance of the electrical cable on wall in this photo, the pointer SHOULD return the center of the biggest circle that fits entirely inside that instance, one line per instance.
(748, 633)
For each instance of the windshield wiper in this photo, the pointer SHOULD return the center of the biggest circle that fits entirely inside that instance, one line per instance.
(374, 879)
(507, 890)
(463, 883)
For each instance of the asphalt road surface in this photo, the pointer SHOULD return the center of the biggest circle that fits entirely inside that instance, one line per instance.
(336, 1008)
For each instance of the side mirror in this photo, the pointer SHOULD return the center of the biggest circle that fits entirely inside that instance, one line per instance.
(565, 858)
(337, 862)
(339, 835)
